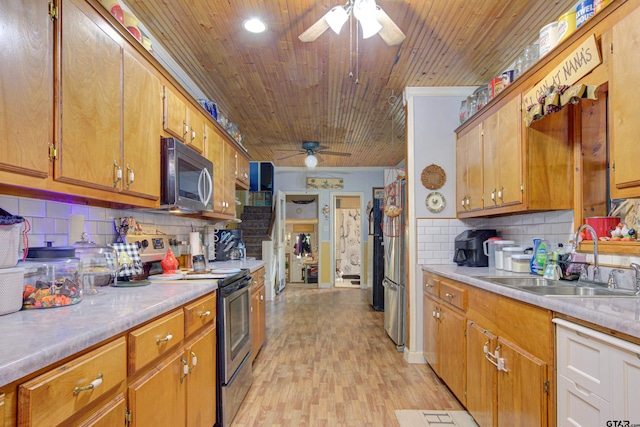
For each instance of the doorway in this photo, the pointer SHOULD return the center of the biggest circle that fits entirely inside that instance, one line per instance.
(347, 237)
(302, 240)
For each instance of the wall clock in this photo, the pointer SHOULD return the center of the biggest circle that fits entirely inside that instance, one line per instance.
(433, 177)
(435, 202)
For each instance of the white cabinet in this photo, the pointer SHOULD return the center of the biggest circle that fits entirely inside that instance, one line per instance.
(598, 376)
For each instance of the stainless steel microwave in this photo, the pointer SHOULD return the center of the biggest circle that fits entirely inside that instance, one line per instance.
(187, 178)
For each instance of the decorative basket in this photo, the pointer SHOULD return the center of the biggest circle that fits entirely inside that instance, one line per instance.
(10, 238)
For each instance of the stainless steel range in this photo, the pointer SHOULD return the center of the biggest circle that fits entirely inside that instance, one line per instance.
(234, 344)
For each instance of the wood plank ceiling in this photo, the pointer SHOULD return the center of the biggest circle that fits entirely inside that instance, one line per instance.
(339, 90)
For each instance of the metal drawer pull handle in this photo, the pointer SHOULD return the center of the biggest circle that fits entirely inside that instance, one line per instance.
(185, 369)
(165, 339)
(205, 314)
(448, 295)
(93, 384)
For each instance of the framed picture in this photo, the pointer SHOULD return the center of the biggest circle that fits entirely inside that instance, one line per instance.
(325, 183)
(378, 193)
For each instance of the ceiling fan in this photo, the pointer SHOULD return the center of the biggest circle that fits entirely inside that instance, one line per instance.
(313, 151)
(371, 17)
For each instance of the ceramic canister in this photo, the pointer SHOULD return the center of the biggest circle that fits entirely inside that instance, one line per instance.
(584, 11)
(599, 4)
(566, 24)
(548, 37)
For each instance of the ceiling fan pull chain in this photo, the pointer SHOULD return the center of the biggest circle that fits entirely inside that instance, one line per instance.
(350, 46)
(357, 55)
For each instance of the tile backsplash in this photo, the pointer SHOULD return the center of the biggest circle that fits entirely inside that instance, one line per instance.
(50, 221)
(436, 236)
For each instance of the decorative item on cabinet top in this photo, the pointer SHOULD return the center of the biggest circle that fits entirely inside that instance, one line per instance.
(433, 177)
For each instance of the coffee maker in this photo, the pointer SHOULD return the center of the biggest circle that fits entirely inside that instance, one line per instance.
(469, 250)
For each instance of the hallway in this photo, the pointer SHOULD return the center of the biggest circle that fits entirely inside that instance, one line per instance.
(328, 362)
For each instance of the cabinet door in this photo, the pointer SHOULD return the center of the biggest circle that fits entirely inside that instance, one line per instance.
(215, 152)
(26, 67)
(195, 138)
(626, 380)
(510, 153)
(142, 129)
(174, 120)
(263, 317)
(490, 160)
(90, 97)
(255, 324)
(481, 381)
(201, 382)
(243, 170)
(110, 415)
(452, 357)
(469, 171)
(431, 313)
(229, 179)
(624, 92)
(159, 397)
(522, 400)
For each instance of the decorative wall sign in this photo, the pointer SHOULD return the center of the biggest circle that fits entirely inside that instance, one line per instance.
(325, 183)
(378, 193)
(435, 202)
(433, 177)
(575, 66)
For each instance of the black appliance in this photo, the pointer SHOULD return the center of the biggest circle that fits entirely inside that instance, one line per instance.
(233, 347)
(375, 233)
(469, 250)
(187, 178)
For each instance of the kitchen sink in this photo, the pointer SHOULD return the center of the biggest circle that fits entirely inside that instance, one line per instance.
(557, 288)
(531, 281)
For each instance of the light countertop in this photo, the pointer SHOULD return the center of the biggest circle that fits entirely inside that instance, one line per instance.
(33, 339)
(620, 314)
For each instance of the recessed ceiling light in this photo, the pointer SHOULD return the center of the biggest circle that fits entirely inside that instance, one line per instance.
(255, 25)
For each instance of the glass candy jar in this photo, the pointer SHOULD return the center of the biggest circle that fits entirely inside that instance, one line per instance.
(51, 282)
(99, 264)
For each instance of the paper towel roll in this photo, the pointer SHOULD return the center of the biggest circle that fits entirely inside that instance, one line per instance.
(196, 245)
(76, 228)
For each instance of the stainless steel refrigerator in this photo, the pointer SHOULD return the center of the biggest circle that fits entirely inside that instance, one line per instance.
(395, 280)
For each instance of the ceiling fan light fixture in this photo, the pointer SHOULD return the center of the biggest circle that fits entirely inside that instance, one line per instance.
(311, 161)
(365, 13)
(254, 25)
(336, 18)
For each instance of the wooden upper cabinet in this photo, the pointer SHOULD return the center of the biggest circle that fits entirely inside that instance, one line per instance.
(142, 128)
(502, 156)
(89, 151)
(214, 145)
(174, 120)
(26, 104)
(195, 137)
(469, 171)
(230, 178)
(243, 172)
(623, 95)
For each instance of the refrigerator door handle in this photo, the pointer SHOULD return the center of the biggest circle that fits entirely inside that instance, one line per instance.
(390, 285)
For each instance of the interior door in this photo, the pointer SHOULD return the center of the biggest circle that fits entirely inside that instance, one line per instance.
(281, 238)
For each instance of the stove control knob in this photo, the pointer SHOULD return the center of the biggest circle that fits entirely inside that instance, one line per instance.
(143, 244)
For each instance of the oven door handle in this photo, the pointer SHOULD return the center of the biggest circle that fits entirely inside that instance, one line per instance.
(244, 283)
(205, 185)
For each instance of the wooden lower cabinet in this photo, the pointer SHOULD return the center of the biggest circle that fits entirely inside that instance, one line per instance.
(1, 409)
(110, 415)
(258, 314)
(180, 390)
(494, 353)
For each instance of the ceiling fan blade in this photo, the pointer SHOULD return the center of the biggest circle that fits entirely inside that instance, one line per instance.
(390, 32)
(319, 157)
(291, 155)
(314, 31)
(334, 153)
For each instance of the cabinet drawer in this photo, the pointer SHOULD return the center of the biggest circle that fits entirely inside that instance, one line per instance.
(199, 313)
(431, 285)
(54, 396)
(576, 406)
(155, 339)
(584, 360)
(454, 295)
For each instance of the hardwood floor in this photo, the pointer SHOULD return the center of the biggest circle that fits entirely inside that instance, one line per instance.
(328, 362)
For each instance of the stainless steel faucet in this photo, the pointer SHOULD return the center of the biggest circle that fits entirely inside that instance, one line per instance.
(594, 238)
(636, 269)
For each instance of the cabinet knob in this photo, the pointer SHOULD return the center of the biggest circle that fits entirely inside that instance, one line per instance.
(448, 295)
(194, 361)
(205, 314)
(117, 174)
(185, 369)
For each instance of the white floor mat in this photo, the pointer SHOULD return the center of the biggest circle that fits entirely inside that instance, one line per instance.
(418, 418)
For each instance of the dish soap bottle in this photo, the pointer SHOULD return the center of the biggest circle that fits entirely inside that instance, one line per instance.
(540, 256)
